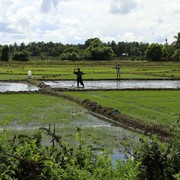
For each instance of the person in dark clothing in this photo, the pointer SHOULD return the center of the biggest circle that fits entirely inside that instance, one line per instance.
(79, 74)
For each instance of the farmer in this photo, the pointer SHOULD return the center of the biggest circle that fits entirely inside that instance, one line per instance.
(118, 68)
(79, 77)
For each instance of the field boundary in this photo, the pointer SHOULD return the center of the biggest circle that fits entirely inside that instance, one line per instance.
(114, 116)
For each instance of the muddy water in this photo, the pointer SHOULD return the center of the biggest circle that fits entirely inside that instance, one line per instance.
(104, 84)
(119, 84)
(16, 87)
(108, 135)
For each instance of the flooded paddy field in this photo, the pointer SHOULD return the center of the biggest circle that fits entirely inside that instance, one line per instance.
(118, 84)
(23, 113)
(17, 86)
(93, 85)
(26, 113)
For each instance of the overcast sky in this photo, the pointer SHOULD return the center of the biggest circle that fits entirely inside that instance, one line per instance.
(75, 21)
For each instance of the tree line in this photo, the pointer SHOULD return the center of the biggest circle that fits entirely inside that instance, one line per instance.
(93, 49)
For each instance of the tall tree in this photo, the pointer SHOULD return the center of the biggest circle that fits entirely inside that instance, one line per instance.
(5, 53)
(177, 42)
(167, 52)
(98, 51)
(154, 52)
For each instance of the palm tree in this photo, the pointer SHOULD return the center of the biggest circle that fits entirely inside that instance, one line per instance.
(177, 42)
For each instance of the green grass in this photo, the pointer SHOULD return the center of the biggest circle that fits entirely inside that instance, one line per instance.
(34, 109)
(158, 107)
(93, 69)
(25, 113)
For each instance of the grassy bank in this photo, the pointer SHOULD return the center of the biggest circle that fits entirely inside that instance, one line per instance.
(158, 107)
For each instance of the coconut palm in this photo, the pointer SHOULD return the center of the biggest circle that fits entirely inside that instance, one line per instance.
(177, 42)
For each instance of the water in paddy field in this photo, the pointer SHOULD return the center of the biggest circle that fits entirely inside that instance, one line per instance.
(118, 84)
(89, 123)
(16, 87)
(108, 135)
(93, 85)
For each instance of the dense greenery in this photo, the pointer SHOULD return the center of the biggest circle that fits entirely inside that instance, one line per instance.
(94, 49)
(154, 52)
(21, 56)
(5, 53)
(158, 160)
(27, 158)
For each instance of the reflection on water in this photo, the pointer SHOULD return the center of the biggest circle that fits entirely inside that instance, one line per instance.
(16, 87)
(119, 84)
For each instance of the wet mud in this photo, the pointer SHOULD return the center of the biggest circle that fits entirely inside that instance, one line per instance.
(114, 116)
(119, 119)
(109, 114)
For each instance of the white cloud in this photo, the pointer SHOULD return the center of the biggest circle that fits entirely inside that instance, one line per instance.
(74, 21)
(173, 7)
(123, 6)
(129, 37)
(48, 4)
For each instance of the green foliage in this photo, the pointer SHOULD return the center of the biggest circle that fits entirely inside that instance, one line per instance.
(158, 160)
(5, 53)
(96, 50)
(176, 43)
(70, 56)
(72, 53)
(176, 55)
(154, 52)
(167, 52)
(121, 50)
(21, 56)
(25, 157)
(95, 42)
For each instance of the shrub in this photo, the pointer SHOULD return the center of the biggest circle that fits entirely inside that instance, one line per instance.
(21, 56)
(159, 160)
(26, 158)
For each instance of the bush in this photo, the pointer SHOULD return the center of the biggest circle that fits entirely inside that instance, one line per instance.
(159, 160)
(26, 158)
(70, 56)
(22, 56)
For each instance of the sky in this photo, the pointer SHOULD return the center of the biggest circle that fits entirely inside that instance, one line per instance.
(75, 21)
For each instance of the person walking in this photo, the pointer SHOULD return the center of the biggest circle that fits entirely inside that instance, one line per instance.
(118, 71)
(79, 74)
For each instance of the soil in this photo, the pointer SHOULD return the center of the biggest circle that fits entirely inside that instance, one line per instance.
(115, 116)
(109, 114)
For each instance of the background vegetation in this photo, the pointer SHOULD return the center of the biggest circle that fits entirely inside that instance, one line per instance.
(93, 49)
